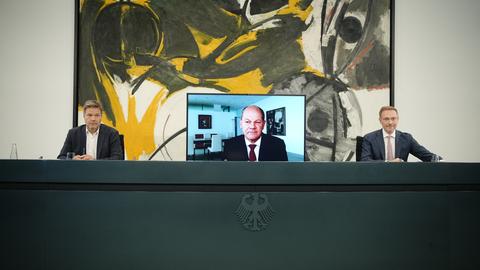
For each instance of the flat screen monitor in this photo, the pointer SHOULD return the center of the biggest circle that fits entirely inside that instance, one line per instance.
(214, 120)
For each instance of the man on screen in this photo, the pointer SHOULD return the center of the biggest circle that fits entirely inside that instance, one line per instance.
(254, 145)
(92, 140)
(391, 145)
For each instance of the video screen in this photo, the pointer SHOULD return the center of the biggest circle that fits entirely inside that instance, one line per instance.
(216, 131)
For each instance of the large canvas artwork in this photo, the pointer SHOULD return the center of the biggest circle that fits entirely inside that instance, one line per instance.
(140, 58)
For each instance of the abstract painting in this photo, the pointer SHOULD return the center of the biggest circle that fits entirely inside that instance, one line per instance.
(276, 122)
(141, 58)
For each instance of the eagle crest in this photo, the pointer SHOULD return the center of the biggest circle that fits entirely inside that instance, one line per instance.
(255, 212)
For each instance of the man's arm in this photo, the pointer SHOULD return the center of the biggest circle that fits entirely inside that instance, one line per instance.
(273, 149)
(226, 150)
(116, 151)
(67, 146)
(366, 154)
(235, 149)
(283, 152)
(368, 149)
(420, 151)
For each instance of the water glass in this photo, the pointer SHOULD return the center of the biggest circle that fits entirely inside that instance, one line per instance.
(70, 155)
(435, 158)
(13, 151)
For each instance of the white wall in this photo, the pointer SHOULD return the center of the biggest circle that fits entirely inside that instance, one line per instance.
(437, 75)
(436, 66)
(36, 76)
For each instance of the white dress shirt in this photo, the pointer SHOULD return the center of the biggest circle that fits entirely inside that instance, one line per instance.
(92, 140)
(257, 147)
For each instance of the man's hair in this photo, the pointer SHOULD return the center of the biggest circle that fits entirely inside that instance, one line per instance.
(387, 108)
(254, 106)
(92, 104)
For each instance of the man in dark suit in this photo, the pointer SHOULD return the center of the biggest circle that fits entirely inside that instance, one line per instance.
(92, 140)
(391, 145)
(254, 145)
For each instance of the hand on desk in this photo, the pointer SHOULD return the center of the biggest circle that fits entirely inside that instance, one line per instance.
(83, 157)
(396, 160)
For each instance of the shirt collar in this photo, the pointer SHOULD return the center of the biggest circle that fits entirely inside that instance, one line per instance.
(385, 134)
(94, 134)
(257, 143)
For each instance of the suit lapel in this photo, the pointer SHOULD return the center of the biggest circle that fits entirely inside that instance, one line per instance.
(397, 143)
(263, 151)
(381, 142)
(100, 141)
(244, 150)
(83, 139)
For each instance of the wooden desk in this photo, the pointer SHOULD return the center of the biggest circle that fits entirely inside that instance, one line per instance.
(201, 144)
(185, 215)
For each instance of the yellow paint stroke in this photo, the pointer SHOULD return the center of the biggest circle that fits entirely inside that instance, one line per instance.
(162, 44)
(179, 62)
(241, 41)
(107, 3)
(206, 44)
(139, 135)
(81, 3)
(310, 69)
(294, 8)
(141, 2)
(238, 18)
(249, 82)
(137, 71)
(94, 61)
(190, 79)
(138, 2)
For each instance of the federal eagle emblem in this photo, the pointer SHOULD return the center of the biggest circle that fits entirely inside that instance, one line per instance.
(255, 212)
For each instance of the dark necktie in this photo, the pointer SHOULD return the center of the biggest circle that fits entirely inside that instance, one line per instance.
(251, 155)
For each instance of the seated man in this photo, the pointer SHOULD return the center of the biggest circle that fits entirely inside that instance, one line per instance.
(254, 145)
(92, 140)
(391, 145)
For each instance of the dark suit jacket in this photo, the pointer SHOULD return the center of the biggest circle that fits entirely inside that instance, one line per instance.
(373, 147)
(271, 149)
(108, 144)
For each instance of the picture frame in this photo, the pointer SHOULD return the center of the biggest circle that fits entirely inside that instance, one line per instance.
(204, 121)
(276, 122)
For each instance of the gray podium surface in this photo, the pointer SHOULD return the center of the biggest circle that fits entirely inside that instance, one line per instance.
(237, 215)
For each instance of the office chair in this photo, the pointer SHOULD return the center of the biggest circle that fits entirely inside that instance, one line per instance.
(358, 148)
(216, 145)
(122, 144)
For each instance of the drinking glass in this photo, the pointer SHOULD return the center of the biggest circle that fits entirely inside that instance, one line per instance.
(70, 155)
(13, 151)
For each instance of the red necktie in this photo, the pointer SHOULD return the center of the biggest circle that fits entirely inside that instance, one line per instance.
(389, 148)
(251, 155)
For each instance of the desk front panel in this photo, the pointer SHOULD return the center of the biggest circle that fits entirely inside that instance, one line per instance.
(114, 224)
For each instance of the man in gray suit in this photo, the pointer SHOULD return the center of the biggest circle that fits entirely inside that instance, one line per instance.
(92, 140)
(391, 145)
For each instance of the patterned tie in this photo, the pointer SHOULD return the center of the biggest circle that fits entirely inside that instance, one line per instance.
(389, 148)
(251, 155)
